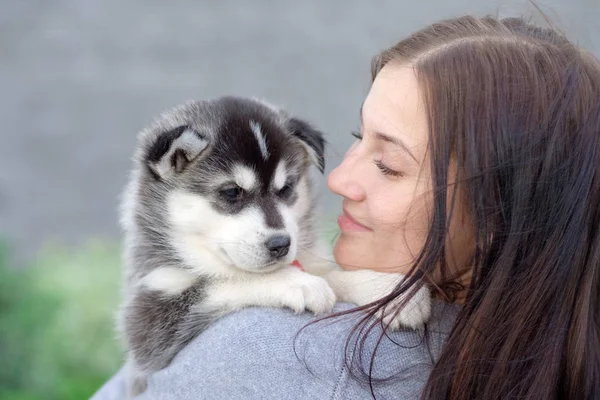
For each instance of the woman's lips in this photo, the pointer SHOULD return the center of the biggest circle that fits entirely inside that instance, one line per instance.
(349, 224)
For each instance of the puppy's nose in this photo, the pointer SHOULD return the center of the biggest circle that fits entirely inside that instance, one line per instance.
(278, 245)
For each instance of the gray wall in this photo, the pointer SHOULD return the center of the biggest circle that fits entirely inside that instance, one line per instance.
(79, 78)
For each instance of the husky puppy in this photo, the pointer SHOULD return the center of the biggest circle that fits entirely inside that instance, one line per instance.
(217, 209)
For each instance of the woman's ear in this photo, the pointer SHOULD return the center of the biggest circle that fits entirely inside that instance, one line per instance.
(312, 140)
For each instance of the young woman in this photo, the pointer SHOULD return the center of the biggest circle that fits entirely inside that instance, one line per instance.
(476, 172)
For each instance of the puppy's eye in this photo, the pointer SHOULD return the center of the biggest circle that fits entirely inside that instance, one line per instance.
(232, 194)
(285, 192)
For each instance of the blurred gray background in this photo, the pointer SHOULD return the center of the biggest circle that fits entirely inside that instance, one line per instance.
(79, 78)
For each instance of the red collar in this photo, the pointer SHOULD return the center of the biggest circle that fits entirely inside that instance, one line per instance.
(297, 264)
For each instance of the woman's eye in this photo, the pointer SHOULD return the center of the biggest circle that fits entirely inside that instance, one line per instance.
(232, 194)
(357, 135)
(387, 171)
(285, 191)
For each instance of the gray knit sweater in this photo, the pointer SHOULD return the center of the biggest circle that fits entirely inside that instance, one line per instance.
(250, 355)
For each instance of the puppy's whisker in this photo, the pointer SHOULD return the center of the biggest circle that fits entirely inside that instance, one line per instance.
(315, 255)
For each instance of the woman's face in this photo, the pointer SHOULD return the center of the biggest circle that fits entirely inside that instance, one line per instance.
(385, 179)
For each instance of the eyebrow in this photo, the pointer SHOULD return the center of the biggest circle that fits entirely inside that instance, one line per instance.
(390, 139)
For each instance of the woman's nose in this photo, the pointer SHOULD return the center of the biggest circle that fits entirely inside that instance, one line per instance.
(345, 179)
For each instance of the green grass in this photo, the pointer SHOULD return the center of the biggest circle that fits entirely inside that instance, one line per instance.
(57, 338)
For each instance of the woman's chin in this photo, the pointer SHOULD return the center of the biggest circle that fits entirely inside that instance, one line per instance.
(347, 255)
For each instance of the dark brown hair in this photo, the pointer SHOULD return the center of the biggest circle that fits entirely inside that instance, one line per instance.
(517, 107)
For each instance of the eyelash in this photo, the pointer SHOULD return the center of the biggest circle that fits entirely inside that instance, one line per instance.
(384, 170)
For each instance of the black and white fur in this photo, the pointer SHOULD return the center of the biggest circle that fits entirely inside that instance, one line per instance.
(217, 207)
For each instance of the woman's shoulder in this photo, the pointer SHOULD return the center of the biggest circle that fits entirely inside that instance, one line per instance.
(264, 353)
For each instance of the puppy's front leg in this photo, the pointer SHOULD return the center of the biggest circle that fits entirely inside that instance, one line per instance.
(362, 287)
(287, 287)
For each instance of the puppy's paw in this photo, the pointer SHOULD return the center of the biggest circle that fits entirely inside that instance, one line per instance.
(308, 292)
(413, 315)
(318, 295)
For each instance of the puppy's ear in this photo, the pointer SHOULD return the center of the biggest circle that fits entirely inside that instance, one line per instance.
(312, 140)
(174, 150)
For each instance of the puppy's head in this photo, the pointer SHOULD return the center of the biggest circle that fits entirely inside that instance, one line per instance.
(230, 178)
